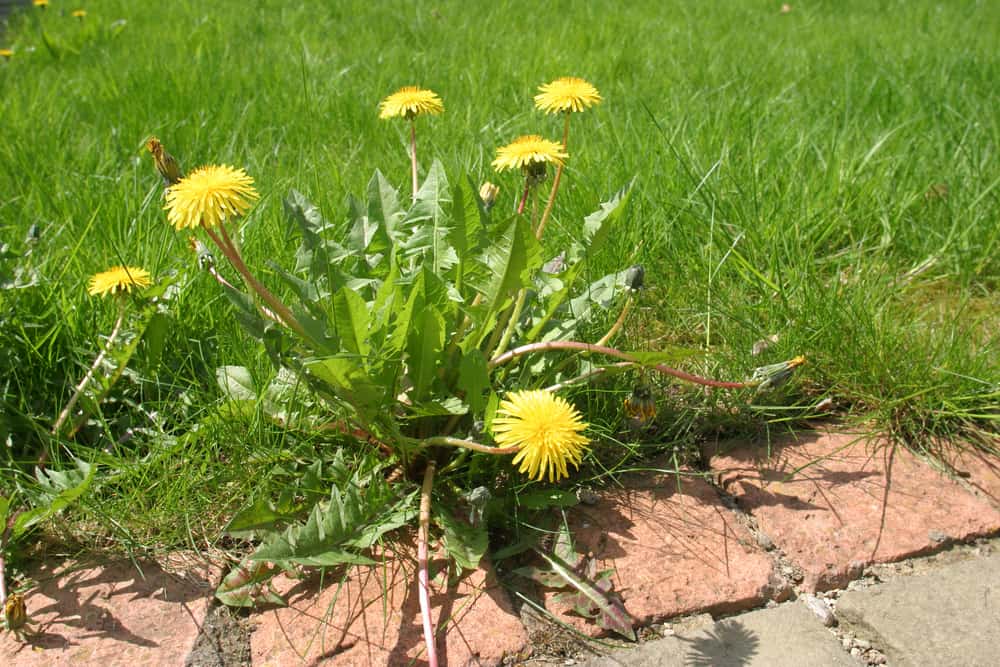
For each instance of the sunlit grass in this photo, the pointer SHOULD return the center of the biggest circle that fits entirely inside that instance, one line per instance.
(828, 175)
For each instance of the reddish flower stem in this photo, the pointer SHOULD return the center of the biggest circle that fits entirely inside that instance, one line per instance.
(611, 352)
(423, 581)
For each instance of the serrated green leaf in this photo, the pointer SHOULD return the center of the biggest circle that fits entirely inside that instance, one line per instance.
(424, 350)
(245, 586)
(351, 316)
(428, 225)
(464, 543)
(317, 252)
(62, 488)
(474, 378)
(599, 225)
(384, 208)
(350, 381)
(259, 516)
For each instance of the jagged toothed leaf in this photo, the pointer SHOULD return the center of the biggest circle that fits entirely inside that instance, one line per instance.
(467, 231)
(247, 585)
(262, 515)
(384, 208)
(507, 267)
(424, 349)
(428, 226)
(318, 252)
(351, 318)
(474, 378)
(599, 226)
(466, 544)
(349, 380)
(60, 489)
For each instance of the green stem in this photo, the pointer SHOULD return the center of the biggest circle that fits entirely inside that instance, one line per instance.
(555, 183)
(618, 323)
(448, 441)
(612, 352)
(512, 322)
(413, 157)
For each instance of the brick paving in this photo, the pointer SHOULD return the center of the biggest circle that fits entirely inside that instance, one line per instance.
(673, 551)
(863, 501)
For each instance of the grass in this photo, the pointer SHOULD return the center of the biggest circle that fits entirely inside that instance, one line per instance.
(828, 175)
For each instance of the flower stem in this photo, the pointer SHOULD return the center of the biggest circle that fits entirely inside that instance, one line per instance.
(64, 415)
(448, 441)
(225, 244)
(611, 352)
(524, 196)
(555, 183)
(423, 584)
(512, 322)
(413, 157)
(618, 323)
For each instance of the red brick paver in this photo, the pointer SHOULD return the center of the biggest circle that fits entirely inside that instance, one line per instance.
(373, 618)
(674, 551)
(863, 501)
(112, 615)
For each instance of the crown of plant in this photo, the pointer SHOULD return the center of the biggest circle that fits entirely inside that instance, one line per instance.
(409, 102)
(566, 94)
(209, 196)
(528, 151)
(546, 428)
(118, 279)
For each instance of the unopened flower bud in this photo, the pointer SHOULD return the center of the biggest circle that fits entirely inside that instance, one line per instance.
(775, 375)
(635, 277)
(206, 260)
(488, 193)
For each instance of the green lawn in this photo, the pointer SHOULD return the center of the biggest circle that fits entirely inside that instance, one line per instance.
(829, 175)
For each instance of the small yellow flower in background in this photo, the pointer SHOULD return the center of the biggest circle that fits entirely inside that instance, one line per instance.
(547, 430)
(118, 279)
(409, 102)
(528, 151)
(80, 14)
(209, 196)
(488, 193)
(566, 94)
(165, 162)
(40, 3)
(6, 53)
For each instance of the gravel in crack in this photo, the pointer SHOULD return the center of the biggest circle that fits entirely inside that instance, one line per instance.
(224, 640)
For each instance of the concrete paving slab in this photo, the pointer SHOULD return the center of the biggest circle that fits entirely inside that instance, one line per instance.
(835, 502)
(113, 614)
(788, 635)
(943, 616)
(372, 617)
(673, 551)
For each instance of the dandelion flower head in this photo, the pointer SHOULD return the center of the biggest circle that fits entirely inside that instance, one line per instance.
(527, 151)
(80, 13)
(6, 53)
(118, 279)
(409, 102)
(566, 94)
(209, 196)
(546, 428)
(40, 3)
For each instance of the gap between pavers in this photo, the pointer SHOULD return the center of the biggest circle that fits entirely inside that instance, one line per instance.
(835, 502)
(674, 550)
(114, 613)
(948, 615)
(372, 617)
(788, 635)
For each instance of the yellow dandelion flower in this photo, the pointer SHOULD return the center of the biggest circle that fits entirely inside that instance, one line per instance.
(528, 151)
(409, 102)
(209, 196)
(118, 279)
(6, 53)
(566, 94)
(80, 14)
(547, 430)
(40, 3)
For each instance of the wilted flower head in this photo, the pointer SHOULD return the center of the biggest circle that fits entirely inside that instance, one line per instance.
(15, 613)
(528, 152)
(546, 428)
(165, 163)
(635, 277)
(640, 405)
(566, 94)
(118, 279)
(775, 375)
(488, 193)
(209, 196)
(409, 102)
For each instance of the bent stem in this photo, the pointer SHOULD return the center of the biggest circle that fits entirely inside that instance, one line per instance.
(64, 415)
(225, 244)
(618, 323)
(448, 441)
(422, 578)
(612, 352)
(413, 157)
(555, 183)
